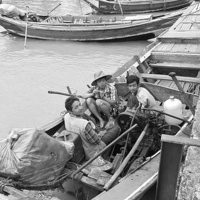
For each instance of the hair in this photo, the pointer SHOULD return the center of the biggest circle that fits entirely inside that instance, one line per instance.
(69, 101)
(132, 78)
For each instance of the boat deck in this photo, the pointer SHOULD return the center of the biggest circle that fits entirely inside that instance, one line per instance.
(176, 50)
(179, 50)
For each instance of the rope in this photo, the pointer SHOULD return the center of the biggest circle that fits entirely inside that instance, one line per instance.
(54, 184)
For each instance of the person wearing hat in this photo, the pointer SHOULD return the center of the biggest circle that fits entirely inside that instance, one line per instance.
(102, 96)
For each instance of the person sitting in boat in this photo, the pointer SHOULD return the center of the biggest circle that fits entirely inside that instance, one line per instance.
(92, 140)
(138, 94)
(101, 97)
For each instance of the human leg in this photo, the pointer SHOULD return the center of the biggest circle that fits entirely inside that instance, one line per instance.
(92, 107)
(111, 134)
(104, 107)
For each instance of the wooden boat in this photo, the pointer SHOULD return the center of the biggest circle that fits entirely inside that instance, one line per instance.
(137, 6)
(91, 27)
(133, 184)
(92, 183)
(175, 50)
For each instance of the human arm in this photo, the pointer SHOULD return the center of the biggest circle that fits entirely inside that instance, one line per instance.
(91, 135)
(112, 97)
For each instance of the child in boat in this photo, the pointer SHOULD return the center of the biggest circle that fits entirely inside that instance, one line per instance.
(138, 94)
(101, 98)
(92, 141)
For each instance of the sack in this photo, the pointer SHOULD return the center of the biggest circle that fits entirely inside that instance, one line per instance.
(31, 156)
(11, 11)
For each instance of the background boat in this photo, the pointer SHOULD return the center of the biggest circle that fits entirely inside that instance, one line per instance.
(91, 27)
(136, 6)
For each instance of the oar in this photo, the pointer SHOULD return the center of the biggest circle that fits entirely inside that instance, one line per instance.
(53, 9)
(26, 29)
(187, 102)
(126, 144)
(128, 157)
(65, 94)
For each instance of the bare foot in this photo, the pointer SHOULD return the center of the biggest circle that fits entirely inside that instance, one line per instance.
(101, 123)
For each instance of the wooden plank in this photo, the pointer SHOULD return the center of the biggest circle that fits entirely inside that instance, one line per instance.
(187, 48)
(131, 184)
(166, 77)
(183, 17)
(193, 48)
(177, 57)
(198, 49)
(176, 65)
(181, 35)
(169, 47)
(159, 47)
(181, 47)
(175, 48)
(170, 160)
(186, 26)
(161, 93)
(132, 63)
(180, 140)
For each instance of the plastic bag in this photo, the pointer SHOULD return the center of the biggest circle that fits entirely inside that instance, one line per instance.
(11, 11)
(31, 156)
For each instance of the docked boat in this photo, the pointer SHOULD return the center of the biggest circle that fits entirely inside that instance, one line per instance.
(87, 179)
(141, 170)
(90, 27)
(176, 50)
(136, 6)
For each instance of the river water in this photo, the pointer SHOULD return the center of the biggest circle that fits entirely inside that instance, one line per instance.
(26, 75)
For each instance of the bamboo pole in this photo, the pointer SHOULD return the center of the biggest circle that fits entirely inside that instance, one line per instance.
(26, 29)
(128, 157)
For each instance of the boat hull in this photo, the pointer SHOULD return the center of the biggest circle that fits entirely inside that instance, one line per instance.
(113, 7)
(90, 32)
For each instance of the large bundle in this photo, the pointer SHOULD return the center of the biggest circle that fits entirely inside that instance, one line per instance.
(11, 11)
(33, 157)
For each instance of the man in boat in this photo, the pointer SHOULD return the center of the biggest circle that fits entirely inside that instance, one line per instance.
(92, 140)
(139, 95)
(101, 98)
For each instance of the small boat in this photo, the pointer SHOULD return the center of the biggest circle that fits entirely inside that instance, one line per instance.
(136, 6)
(91, 27)
(140, 173)
(94, 182)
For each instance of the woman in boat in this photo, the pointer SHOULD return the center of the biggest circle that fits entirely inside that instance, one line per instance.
(101, 97)
(139, 95)
(92, 141)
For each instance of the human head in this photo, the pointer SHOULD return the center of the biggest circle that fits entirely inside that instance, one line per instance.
(133, 83)
(73, 105)
(100, 79)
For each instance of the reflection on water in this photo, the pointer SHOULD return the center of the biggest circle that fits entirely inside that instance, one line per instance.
(26, 75)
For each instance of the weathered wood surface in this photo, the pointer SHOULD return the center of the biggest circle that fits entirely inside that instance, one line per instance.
(126, 187)
(140, 6)
(86, 29)
(189, 186)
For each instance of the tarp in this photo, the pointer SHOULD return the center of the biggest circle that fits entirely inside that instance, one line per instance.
(11, 11)
(33, 157)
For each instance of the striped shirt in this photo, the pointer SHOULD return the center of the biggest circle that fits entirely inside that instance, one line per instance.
(108, 92)
(91, 135)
